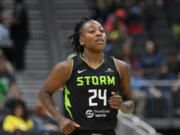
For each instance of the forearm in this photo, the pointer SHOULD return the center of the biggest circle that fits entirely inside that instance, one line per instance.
(49, 104)
(127, 106)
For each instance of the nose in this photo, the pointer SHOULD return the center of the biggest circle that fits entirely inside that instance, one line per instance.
(99, 33)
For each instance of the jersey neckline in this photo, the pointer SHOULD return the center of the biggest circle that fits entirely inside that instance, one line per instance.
(98, 66)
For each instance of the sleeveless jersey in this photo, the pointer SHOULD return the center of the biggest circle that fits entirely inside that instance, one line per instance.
(87, 92)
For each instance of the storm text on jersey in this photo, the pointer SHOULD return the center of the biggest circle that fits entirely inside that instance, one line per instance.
(95, 80)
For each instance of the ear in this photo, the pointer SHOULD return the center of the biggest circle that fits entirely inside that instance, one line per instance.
(81, 41)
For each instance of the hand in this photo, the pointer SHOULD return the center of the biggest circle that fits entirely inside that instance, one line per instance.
(115, 101)
(155, 92)
(51, 127)
(68, 126)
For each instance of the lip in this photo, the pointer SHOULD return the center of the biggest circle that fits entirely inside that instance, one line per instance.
(99, 40)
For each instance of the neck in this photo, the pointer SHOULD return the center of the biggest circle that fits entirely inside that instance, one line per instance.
(93, 57)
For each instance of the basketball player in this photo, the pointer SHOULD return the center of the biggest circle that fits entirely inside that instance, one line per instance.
(96, 86)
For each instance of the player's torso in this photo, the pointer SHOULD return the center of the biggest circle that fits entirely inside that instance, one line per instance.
(87, 93)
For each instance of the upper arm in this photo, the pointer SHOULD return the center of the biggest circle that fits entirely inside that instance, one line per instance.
(125, 87)
(58, 77)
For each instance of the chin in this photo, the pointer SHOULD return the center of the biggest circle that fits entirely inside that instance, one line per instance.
(100, 49)
(97, 47)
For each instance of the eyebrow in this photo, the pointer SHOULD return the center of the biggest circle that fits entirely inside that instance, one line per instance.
(94, 27)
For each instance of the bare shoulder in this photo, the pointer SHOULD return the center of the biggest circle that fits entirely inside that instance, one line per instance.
(66, 64)
(63, 68)
(121, 65)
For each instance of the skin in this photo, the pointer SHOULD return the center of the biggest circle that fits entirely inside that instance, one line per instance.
(93, 38)
(19, 111)
(150, 48)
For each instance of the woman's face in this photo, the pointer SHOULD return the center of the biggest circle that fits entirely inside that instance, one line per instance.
(18, 111)
(93, 36)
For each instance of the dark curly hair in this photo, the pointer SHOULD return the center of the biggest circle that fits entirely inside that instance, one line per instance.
(74, 38)
(23, 105)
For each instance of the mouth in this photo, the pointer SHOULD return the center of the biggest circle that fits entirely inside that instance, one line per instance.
(100, 41)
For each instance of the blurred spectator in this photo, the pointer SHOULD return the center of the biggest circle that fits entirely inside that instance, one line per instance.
(8, 65)
(9, 103)
(43, 121)
(135, 27)
(160, 100)
(19, 32)
(128, 56)
(3, 90)
(116, 28)
(174, 63)
(5, 41)
(139, 91)
(8, 78)
(18, 119)
(118, 16)
(119, 32)
(151, 58)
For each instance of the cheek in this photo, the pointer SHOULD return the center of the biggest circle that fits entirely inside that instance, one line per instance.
(88, 39)
(105, 37)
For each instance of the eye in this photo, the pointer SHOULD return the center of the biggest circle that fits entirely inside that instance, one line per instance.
(102, 30)
(91, 31)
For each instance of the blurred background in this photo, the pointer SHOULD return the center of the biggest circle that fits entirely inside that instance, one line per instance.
(143, 33)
